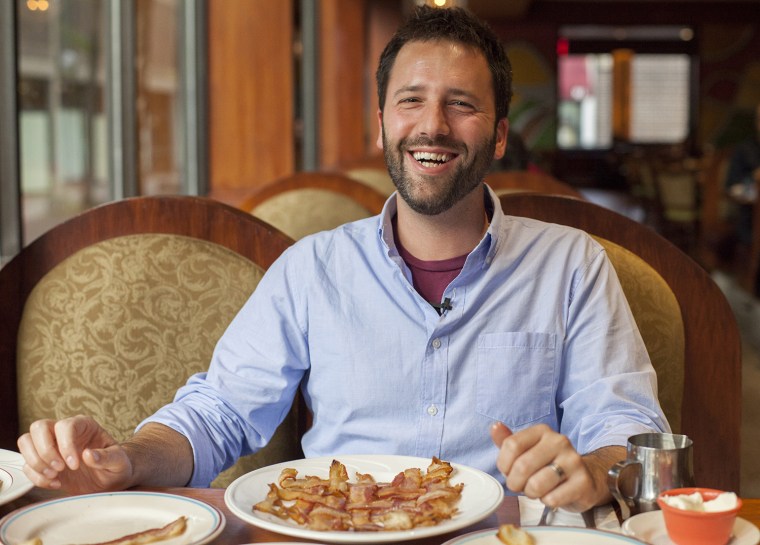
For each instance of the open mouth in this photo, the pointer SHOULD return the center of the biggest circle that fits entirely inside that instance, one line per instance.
(430, 159)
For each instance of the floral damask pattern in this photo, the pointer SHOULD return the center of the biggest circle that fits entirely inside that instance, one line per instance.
(115, 329)
(658, 316)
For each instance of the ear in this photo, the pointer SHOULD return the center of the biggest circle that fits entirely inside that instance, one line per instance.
(502, 128)
(379, 142)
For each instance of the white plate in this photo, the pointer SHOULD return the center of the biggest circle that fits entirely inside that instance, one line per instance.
(13, 482)
(650, 527)
(101, 517)
(481, 495)
(550, 535)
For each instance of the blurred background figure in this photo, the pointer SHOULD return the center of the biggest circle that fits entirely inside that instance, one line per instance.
(517, 156)
(742, 179)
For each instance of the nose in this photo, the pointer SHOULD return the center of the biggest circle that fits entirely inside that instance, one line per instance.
(434, 121)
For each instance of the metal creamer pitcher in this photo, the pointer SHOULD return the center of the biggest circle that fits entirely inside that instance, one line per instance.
(655, 462)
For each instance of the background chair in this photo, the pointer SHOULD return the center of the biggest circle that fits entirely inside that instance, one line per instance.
(110, 312)
(371, 171)
(308, 202)
(528, 181)
(686, 322)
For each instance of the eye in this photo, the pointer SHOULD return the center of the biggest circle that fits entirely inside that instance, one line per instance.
(409, 103)
(461, 105)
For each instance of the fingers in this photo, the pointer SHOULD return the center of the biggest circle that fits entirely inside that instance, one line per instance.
(543, 464)
(109, 459)
(51, 449)
(39, 448)
(499, 432)
(526, 452)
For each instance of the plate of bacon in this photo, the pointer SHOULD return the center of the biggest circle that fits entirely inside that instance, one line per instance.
(364, 498)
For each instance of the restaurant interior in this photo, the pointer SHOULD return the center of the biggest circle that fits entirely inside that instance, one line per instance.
(634, 105)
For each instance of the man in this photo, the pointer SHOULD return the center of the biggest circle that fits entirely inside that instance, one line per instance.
(415, 332)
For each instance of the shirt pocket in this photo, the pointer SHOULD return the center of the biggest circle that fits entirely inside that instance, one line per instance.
(515, 376)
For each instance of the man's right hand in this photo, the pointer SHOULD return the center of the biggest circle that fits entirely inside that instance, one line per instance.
(76, 455)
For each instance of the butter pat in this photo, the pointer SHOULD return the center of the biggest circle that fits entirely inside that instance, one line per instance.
(724, 501)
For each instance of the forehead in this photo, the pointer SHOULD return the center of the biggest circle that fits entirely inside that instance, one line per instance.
(441, 63)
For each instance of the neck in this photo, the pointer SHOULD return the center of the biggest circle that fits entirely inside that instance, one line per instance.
(444, 236)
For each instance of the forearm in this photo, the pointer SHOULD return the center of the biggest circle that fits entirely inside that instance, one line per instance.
(598, 463)
(160, 456)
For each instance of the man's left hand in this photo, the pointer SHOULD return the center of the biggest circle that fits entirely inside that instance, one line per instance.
(543, 464)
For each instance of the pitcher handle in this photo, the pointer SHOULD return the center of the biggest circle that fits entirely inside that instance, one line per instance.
(613, 482)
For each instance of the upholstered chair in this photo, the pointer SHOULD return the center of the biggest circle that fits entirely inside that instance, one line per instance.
(111, 312)
(308, 202)
(685, 320)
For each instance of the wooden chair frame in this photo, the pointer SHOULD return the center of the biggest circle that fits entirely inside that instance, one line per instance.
(711, 408)
(181, 215)
(366, 196)
(520, 181)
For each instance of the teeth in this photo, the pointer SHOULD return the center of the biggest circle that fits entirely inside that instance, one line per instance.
(431, 159)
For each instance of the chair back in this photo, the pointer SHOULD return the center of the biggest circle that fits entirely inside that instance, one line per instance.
(376, 178)
(685, 320)
(110, 312)
(307, 202)
(528, 181)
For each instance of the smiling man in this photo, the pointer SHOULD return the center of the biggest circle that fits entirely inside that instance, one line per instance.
(439, 328)
(439, 126)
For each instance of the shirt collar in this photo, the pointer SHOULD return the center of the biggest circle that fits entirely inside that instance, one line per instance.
(486, 247)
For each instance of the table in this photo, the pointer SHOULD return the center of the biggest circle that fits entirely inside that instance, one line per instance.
(238, 532)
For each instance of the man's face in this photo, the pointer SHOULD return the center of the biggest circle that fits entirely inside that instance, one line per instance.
(438, 126)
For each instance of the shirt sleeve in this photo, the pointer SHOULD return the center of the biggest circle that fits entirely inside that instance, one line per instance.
(255, 371)
(608, 387)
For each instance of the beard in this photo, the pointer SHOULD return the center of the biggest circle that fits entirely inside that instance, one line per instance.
(443, 191)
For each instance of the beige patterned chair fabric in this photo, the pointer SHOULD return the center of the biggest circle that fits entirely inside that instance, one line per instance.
(374, 177)
(116, 328)
(658, 316)
(305, 211)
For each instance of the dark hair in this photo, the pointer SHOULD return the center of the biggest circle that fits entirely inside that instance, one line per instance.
(457, 25)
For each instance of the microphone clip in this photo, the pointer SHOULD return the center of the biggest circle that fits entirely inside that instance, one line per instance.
(444, 306)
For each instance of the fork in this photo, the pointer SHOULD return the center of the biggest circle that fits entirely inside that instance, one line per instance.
(588, 518)
(545, 515)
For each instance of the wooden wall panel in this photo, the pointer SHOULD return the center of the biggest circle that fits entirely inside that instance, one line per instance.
(342, 73)
(383, 19)
(251, 96)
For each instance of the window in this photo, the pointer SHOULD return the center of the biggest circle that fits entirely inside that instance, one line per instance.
(633, 85)
(110, 104)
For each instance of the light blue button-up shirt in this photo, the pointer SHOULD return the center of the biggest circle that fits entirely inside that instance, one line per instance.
(538, 332)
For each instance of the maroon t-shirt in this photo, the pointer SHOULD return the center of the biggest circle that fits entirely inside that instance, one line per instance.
(430, 278)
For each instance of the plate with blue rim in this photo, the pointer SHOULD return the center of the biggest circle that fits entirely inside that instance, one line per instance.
(106, 516)
(13, 482)
(551, 535)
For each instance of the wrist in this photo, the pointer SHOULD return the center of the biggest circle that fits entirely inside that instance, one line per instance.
(598, 464)
(159, 456)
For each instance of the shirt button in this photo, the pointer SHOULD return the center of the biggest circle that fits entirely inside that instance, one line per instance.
(432, 410)
(436, 343)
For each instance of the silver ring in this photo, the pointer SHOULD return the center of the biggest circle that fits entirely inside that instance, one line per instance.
(558, 470)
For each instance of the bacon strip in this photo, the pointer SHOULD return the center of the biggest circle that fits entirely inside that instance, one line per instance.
(173, 529)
